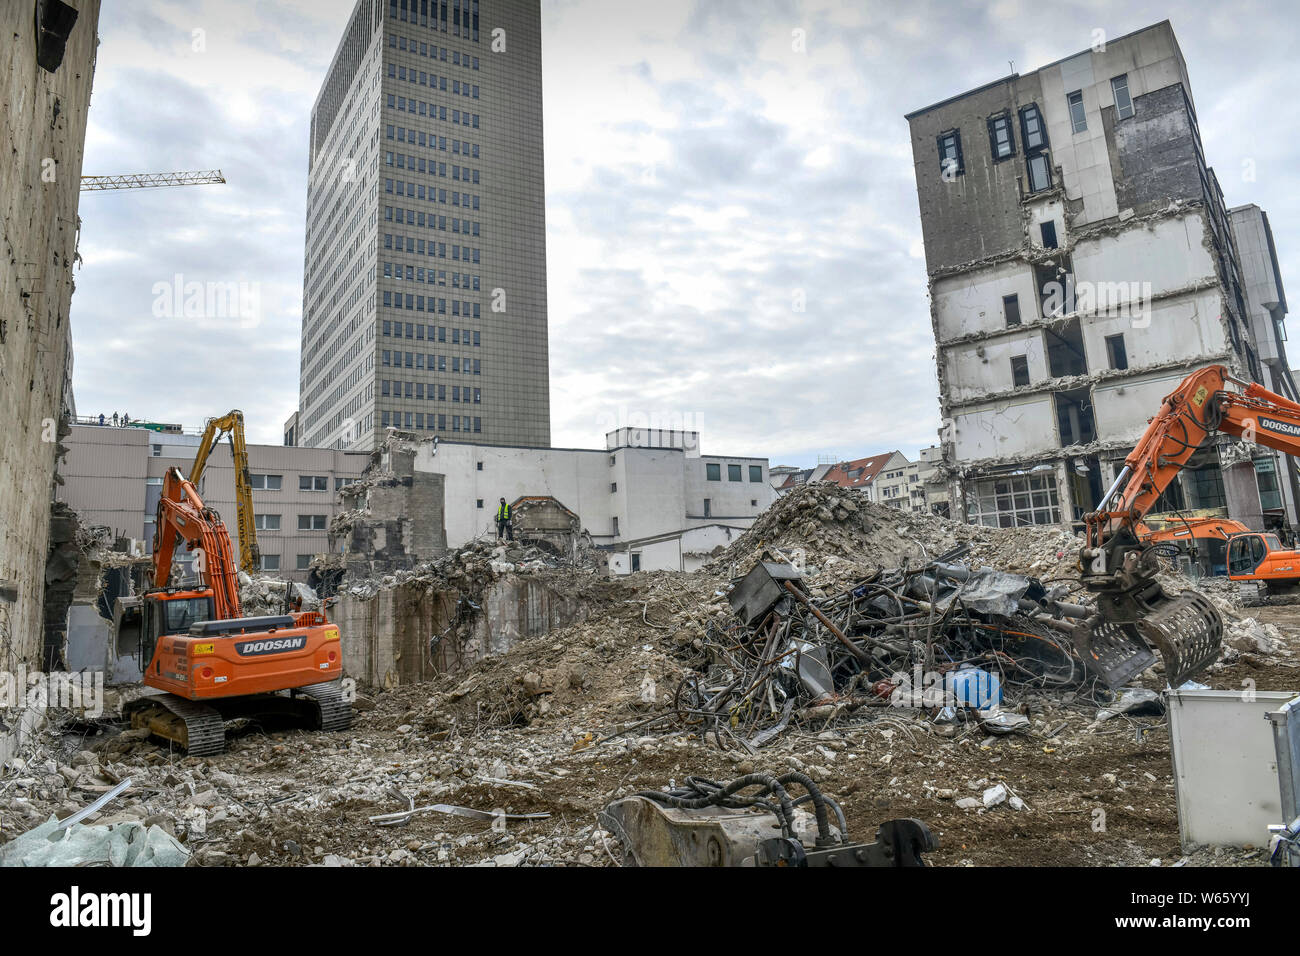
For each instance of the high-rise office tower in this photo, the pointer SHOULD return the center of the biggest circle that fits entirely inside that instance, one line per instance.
(424, 290)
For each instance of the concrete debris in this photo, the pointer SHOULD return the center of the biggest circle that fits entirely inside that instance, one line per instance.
(600, 698)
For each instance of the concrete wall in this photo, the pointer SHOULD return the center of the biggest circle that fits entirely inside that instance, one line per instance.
(388, 639)
(43, 116)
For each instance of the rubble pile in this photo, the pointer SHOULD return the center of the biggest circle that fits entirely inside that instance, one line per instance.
(263, 594)
(669, 675)
(823, 527)
(470, 569)
(937, 638)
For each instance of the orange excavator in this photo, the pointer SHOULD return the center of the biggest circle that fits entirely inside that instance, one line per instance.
(1203, 540)
(1133, 611)
(212, 663)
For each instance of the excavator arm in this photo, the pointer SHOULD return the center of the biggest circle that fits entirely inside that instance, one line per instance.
(1133, 609)
(232, 424)
(182, 516)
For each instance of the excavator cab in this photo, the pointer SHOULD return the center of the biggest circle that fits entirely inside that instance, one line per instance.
(170, 611)
(1261, 557)
(1246, 552)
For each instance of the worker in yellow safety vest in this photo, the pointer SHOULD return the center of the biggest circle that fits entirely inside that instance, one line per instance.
(504, 529)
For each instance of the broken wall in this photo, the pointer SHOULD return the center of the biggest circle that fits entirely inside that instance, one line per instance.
(410, 632)
(43, 116)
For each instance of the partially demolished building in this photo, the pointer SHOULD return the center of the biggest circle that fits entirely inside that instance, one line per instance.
(1081, 261)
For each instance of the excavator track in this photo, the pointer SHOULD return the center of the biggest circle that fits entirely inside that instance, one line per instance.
(335, 709)
(200, 729)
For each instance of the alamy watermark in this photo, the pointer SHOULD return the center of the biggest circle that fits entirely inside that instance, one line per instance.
(179, 298)
(82, 691)
(653, 428)
(1124, 300)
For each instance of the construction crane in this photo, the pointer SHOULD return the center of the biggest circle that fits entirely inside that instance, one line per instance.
(150, 180)
(231, 425)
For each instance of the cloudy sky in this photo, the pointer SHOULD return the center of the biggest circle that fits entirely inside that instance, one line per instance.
(704, 176)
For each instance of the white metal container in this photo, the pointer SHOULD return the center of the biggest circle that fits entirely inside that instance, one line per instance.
(1225, 765)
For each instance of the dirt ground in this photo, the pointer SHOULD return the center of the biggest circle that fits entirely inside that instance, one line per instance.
(1095, 794)
(564, 724)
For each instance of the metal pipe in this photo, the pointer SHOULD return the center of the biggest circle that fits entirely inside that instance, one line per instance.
(853, 649)
(1119, 480)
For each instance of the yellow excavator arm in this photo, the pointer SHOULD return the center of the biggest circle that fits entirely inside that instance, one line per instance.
(232, 425)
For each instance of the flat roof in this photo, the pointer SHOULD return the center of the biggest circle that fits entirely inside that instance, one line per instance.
(1045, 66)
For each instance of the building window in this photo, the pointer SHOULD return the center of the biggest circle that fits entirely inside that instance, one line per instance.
(1123, 102)
(270, 562)
(756, 473)
(1002, 141)
(1019, 371)
(1011, 309)
(614, 522)
(1014, 501)
(1116, 352)
(304, 562)
(479, 503)
(733, 473)
(313, 483)
(157, 451)
(266, 522)
(266, 482)
(1032, 131)
(1048, 230)
(1040, 173)
(950, 161)
(1078, 118)
(636, 561)
(312, 522)
(708, 507)
(613, 487)
(713, 471)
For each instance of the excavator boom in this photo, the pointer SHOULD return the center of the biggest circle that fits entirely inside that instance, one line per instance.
(1121, 568)
(232, 425)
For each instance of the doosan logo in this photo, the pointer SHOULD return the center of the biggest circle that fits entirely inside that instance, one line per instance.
(271, 645)
(74, 909)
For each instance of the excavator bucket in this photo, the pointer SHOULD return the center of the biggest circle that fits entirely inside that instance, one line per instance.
(1114, 653)
(1186, 629)
(1189, 633)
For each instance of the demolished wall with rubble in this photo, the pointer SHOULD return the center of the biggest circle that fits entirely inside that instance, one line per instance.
(392, 517)
(443, 616)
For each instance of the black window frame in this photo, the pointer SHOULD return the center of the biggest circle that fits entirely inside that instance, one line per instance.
(955, 135)
(1026, 112)
(1046, 161)
(996, 121)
